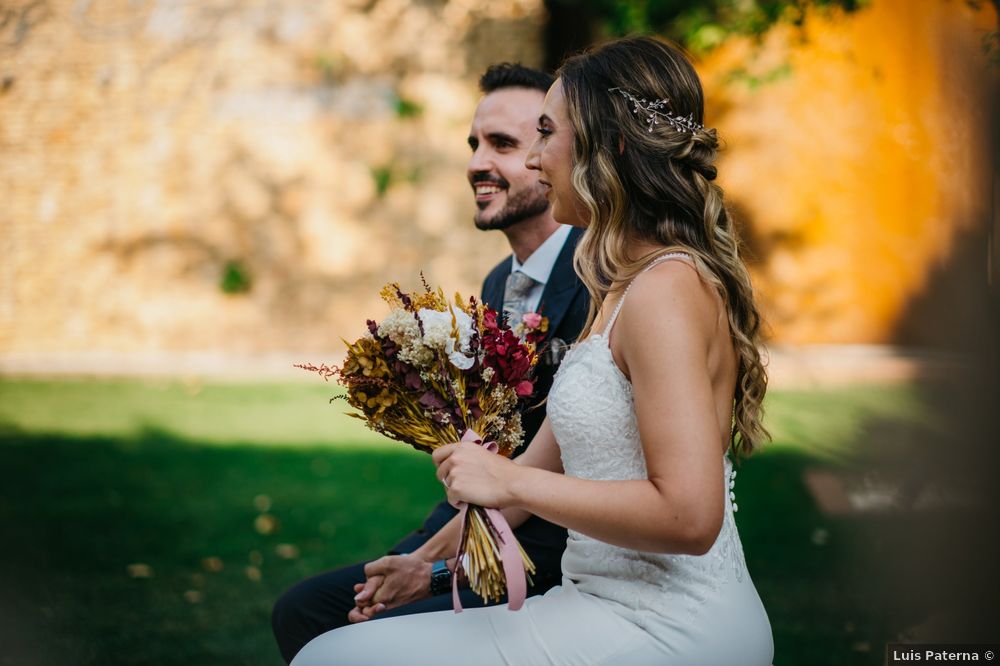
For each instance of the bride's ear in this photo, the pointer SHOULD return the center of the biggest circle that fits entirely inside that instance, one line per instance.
(621, 144)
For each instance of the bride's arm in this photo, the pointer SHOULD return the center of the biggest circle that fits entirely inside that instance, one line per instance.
(666, 324)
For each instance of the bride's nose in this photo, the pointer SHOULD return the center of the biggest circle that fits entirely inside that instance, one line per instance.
(533, 160)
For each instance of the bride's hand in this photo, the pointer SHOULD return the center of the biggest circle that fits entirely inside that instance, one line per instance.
(472, 474)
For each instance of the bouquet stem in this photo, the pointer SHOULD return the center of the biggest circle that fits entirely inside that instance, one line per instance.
(480, 557)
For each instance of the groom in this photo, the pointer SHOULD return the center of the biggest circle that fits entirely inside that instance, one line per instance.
(537, 278)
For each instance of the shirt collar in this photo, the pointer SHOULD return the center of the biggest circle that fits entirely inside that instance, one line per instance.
(539, 265)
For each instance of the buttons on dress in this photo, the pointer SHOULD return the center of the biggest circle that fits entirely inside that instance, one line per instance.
(732, 495)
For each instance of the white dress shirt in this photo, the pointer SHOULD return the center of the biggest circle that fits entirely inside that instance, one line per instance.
(539, 265)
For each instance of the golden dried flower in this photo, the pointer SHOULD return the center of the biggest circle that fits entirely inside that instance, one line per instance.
(432, 300)
(364, 357)
(375, 404)
(390, 294)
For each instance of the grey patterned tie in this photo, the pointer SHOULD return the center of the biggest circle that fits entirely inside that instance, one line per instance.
(515, 296)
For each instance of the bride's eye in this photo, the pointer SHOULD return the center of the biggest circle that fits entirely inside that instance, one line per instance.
(544, 131)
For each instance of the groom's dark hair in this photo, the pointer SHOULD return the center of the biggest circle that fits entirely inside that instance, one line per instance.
(514, 75)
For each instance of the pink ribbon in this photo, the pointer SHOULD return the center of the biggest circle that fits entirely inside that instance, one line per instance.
(510, 554)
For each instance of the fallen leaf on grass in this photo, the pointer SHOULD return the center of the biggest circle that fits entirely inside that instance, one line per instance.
(262, 503)
(139, 570)
(265, 524)
(213, 564)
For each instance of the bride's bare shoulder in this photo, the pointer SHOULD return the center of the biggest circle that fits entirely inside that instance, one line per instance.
(672, 293)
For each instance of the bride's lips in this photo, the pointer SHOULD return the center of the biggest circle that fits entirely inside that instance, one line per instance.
(547, 185)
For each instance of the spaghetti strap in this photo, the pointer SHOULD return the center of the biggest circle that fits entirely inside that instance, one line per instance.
(621, 301)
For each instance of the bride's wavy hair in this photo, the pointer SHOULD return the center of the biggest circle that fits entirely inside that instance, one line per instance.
(655, 185)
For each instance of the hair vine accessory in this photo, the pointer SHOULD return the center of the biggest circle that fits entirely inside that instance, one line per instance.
(654, 112)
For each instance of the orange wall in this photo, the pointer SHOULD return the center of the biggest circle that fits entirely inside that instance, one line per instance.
(859, 157)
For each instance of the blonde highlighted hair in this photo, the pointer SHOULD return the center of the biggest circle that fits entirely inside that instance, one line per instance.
(655, 186)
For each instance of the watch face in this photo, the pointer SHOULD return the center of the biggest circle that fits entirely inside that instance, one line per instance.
(440, 578)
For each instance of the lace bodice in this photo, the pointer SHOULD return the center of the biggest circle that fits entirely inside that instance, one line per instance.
(593, 418)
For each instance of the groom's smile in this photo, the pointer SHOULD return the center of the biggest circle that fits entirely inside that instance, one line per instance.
(487, 188)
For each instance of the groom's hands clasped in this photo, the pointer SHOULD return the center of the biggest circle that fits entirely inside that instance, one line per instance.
(392, 581)
(470, 474)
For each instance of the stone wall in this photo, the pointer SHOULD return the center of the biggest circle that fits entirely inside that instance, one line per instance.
(236, 174)
(244, 175)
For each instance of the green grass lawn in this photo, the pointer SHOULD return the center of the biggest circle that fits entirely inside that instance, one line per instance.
(225, 494)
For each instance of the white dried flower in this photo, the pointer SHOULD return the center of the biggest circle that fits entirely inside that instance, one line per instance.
(400, 327)
(438, 335)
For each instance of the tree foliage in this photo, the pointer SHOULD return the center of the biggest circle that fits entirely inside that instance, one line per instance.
(701, 24)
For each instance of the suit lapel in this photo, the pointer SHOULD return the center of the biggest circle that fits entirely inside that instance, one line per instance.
(562, 285)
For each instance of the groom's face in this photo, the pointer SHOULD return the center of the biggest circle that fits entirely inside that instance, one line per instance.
(503, 129)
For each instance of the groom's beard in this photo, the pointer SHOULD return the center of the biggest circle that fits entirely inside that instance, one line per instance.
(526, 204)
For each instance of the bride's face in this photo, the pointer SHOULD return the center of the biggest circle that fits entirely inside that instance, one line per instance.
(552, 157)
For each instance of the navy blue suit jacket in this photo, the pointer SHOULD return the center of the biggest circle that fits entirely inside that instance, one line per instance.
(564, 302)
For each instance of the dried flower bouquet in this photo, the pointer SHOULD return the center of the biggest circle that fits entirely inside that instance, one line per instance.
(435, 372)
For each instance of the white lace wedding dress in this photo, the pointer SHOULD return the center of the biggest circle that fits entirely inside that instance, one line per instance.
(615, 605)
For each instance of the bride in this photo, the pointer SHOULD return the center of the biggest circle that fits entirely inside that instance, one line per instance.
(666, 383)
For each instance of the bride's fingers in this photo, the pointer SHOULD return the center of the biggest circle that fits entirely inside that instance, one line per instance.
(442, 453)
(442, 472)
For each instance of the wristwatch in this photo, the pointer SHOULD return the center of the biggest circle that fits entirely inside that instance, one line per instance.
(440, 578)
